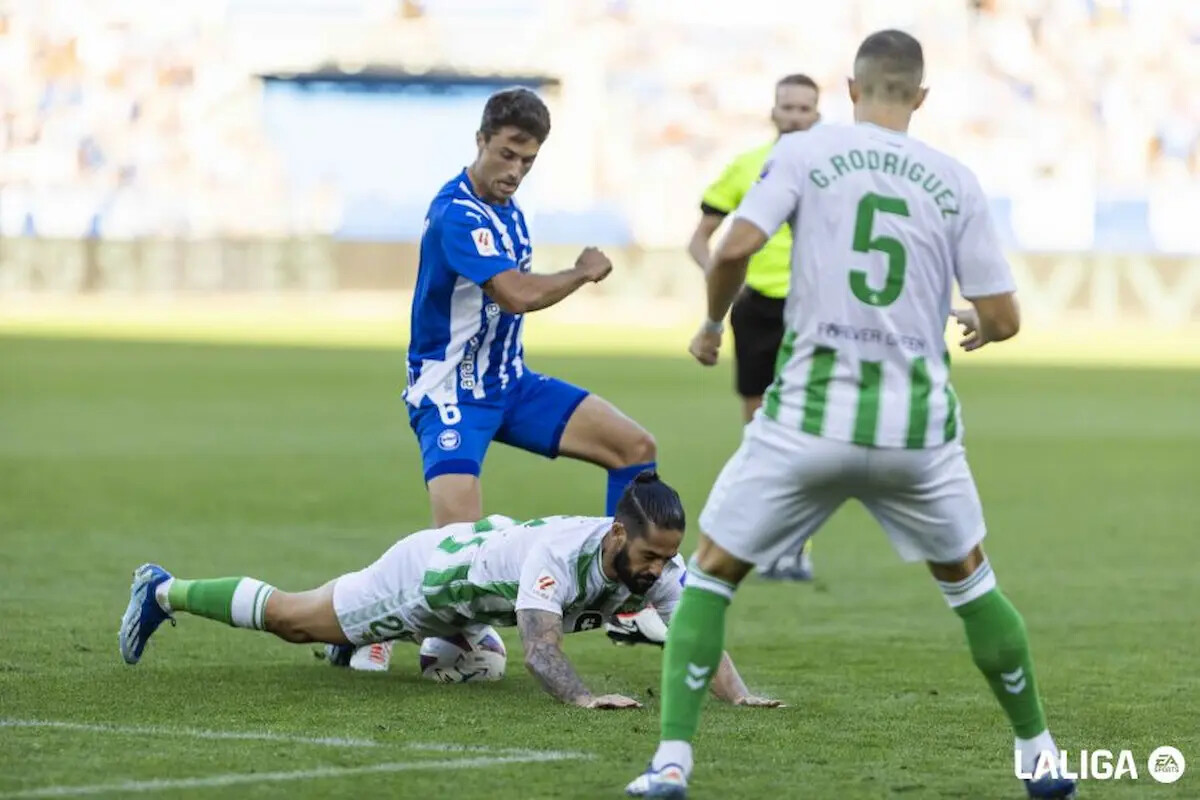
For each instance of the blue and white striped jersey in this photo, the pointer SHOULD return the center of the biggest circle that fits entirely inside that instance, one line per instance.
(462, 344)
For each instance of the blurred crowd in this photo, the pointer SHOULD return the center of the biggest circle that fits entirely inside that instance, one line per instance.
(131, 119)
(138, 118)
(1084, 100)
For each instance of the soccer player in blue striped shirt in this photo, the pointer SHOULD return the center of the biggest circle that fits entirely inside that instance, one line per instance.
(468, 383)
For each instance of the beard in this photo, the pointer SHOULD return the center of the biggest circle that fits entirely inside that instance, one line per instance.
(638, 583)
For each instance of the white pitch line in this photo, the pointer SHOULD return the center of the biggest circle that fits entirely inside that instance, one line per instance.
(320, 773)
(263, 736)
(195, 733)
(432, 747)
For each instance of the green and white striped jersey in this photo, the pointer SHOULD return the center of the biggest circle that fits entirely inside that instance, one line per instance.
(486, 572)
(883, 225)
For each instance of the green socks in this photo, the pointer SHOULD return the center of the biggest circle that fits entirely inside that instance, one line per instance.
(1000, 648)
(240, 602)
(693, 652)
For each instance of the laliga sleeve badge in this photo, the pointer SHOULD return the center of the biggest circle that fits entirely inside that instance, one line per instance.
(544, 586)
(485, 244)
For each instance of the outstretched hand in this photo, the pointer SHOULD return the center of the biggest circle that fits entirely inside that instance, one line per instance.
(972, 336)
(754, 701)
(608, 701)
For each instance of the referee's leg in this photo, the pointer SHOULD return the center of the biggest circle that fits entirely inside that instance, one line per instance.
(757, 323)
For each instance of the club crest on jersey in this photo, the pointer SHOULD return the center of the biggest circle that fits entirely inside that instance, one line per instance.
(484, 242)
(766, 169)
(449, 439)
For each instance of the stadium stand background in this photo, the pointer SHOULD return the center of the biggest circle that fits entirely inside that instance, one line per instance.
(275, 144)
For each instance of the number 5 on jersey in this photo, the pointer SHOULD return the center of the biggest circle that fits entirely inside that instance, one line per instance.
(893, 283)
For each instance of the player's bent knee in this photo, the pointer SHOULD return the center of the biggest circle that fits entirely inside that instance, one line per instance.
(640, 448)
(294, 634)
(952, 572)
(455, 498)
(301, 631)
(283, 617)
(719, 563)
(303, 617)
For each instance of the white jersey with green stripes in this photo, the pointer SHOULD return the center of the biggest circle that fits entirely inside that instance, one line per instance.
(486, 572)
(883, 225)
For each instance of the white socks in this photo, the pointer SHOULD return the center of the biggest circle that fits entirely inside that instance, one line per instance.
(249, 605)
(674, 752)
(1030, 749)
(161, 595)
(972, 587)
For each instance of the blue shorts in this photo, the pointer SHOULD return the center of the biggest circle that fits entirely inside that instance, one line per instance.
(531, 415)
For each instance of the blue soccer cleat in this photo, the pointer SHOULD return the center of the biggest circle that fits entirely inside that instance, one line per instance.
(1049, 788)
(668, 783)
(143, 615)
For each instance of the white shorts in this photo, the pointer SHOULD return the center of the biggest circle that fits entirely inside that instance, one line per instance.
(384, 601)
(783, 484)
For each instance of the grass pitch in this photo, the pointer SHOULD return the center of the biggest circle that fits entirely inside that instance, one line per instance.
(293, 465)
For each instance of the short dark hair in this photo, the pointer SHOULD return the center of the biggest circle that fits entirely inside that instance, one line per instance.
(518, 107)
(797, 79)
(889, 65)
(648, 501)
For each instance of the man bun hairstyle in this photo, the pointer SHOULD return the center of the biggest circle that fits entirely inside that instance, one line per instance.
(646, 502)
(517, 107)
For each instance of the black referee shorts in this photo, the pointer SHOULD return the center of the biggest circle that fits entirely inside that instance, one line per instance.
(757, 322)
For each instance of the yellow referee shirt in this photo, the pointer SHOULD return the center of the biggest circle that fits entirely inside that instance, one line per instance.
(770, 268)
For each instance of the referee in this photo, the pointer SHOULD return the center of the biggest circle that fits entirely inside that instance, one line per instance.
(757, 315)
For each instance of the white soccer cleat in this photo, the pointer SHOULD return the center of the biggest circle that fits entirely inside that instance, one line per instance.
(668, 782)
(642, 627)
(372, 657)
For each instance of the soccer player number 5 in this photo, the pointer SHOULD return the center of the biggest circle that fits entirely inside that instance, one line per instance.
(863, 243)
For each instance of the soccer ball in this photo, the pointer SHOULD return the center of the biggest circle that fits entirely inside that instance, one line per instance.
(476, 655)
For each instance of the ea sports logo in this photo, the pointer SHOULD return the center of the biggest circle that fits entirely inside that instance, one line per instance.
(449, 439)
(1166, 764)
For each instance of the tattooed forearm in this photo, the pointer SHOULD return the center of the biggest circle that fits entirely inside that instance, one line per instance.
(555, 672)
(541, 633)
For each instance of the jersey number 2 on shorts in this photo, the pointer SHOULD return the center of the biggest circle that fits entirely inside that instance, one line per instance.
(868, 206)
